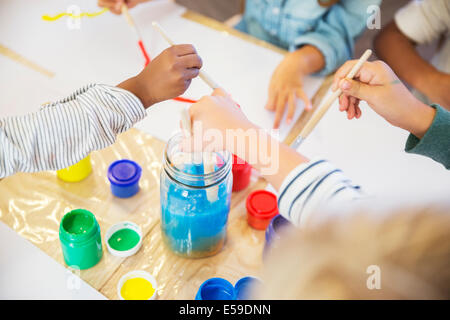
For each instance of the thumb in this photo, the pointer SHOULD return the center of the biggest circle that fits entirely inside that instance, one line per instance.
(219, 92)
(357, 89)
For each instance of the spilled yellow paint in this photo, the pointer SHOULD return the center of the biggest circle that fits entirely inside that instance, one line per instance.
(75, 16)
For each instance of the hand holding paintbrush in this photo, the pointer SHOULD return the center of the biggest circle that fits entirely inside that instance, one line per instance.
(326, 104)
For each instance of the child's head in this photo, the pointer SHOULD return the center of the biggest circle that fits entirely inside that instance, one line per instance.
(409, 253)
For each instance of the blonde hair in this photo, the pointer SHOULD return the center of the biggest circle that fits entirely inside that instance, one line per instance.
(331, 261)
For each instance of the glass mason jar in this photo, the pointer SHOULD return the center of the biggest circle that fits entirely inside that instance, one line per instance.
(195, 200)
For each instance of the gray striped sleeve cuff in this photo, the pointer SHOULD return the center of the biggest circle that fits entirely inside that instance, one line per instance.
(64, 132)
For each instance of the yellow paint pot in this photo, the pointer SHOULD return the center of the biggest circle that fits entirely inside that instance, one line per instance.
(76, 172)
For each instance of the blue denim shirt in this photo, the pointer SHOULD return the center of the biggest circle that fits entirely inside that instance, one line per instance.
(291, 24)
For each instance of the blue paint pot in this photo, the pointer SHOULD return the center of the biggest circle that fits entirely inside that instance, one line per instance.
(124, 176)
(273, 231)
(243, 287)
(216, 289)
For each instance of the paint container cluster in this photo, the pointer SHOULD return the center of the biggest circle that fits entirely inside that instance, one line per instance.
(79, 231)
(222, 289)
(195, 200)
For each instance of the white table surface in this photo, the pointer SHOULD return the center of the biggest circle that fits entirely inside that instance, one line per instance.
(369, 150)
(28, 273)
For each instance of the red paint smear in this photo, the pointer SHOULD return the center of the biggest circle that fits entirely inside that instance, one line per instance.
(147, 61)
(181, 99)
(144, 52)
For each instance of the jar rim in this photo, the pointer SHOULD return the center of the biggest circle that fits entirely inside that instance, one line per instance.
(78, 237)
(182, 177)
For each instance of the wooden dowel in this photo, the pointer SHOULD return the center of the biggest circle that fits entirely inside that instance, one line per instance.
(130, 20)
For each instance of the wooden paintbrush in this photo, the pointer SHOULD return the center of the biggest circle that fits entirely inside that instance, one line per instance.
(326, 104)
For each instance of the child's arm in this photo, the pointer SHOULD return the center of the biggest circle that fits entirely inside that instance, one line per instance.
(303, 185)
(64, 132)
(320, 51)
(417, 23)
(377, 84)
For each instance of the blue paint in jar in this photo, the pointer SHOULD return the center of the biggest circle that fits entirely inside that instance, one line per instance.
(192, 225)
(124, 177)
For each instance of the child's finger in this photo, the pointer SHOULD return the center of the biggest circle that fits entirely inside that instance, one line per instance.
(291, 107)
(358, 112)
(220, 92)
(351, 112)
(184, 49)
(109, 3)
(191, 73)
(342, 73)
(343, 102)
(357, 102)
(280, 107)
(302, 95)
(354, 102)
(192, 61)
(271, 101)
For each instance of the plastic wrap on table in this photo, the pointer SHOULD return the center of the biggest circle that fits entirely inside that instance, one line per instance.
(33, 205)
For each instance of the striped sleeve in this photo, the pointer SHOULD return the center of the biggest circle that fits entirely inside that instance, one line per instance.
(64, 132)
(312, 185)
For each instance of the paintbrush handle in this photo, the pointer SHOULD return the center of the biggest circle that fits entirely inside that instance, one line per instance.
(325, 105)
(130, 20)
(203, 75)
(127, 15)
(310, 125)
(186, 122)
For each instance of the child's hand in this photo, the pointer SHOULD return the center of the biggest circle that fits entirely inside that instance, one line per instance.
(167, 76)
(115, 6)
(378, 85)
(286, 86)
(215, 115)
(218, 111)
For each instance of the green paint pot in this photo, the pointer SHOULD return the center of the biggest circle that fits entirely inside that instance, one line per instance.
(81, 242)
(124, 239)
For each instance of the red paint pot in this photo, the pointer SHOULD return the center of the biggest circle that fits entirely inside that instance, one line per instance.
(261, 206)
(242, 172)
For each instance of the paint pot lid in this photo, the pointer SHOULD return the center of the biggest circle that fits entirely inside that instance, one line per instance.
(243, 285)
(135, 244)
(239, 164)
(216, 289)
(137, 274)
(277, 224)
(124, 172)
(262, 204)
